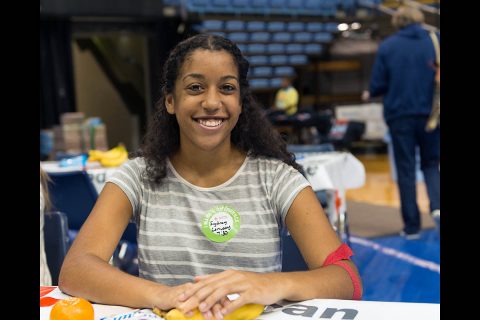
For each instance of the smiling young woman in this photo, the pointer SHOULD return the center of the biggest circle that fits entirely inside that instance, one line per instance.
(211, 190)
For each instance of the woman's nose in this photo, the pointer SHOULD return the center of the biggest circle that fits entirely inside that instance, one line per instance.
(212, 101)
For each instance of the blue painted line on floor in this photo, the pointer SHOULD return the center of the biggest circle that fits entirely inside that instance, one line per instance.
(430, 265)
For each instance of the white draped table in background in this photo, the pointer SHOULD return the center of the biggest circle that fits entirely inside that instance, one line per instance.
(334, 172)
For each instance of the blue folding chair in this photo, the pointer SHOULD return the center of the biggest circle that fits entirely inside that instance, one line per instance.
(74, 194)
(55, 233)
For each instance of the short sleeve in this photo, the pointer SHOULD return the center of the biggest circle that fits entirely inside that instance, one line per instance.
(128, 178)
(287, 183)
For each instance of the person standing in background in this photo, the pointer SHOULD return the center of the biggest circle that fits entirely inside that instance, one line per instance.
(45, 277)
(404, 74)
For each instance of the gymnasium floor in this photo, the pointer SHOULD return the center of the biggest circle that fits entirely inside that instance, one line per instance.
(393, 268)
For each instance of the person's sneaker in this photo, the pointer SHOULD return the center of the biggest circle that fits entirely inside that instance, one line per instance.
(410, 236)
(435, 214)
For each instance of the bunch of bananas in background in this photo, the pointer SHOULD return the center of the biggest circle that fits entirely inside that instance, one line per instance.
(111, 158)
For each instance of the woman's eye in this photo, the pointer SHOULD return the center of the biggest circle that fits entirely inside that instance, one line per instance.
(228, 88)
(194, 87)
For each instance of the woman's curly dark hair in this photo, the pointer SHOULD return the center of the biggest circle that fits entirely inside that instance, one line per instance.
(253, 133)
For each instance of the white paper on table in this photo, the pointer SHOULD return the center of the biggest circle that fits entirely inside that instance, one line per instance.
(351, 309)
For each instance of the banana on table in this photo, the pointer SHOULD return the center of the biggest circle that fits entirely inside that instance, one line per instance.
(111, 158)
(247, 312)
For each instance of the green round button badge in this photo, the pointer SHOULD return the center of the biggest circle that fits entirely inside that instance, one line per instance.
(221, 223)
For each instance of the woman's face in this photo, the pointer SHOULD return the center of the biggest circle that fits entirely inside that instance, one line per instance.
(206, 100)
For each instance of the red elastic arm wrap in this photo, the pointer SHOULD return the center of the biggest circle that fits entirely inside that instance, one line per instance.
(343, 253)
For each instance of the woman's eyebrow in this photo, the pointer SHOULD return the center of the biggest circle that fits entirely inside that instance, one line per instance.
(228, 77)
(202, 77)
(194, 75)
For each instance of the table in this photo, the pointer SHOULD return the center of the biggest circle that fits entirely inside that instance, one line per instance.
(97, 174)
(334, 172)
(304, 310)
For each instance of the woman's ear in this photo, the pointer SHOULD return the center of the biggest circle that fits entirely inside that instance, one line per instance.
(169, 103)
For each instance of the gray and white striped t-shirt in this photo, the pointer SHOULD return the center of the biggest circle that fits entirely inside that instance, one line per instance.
(172, 248)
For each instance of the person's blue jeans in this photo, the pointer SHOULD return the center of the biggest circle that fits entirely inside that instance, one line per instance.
(407, 133)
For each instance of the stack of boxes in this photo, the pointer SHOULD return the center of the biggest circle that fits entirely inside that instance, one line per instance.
(76, 135)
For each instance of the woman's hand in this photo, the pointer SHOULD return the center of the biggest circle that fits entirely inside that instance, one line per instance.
(210, 292)
(167, 297)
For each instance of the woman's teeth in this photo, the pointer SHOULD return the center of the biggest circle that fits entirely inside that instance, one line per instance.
(210, 122)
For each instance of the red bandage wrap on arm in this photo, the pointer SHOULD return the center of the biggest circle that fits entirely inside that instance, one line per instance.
(344, 253)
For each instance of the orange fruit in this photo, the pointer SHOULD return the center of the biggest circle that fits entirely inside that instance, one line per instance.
(73, 308)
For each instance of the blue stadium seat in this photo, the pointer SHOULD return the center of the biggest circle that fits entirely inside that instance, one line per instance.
(260, 36)
(331, 27)
(238, 36)
(276, 82)
(292, 48)
(284, 71)
(313, 7)
(302, 37)
(259, 6)
(294, 5)
(240, 6)
(218, 33)
(323, 37)
(295, 26)
(262, 71)
(278, 59)
(199, 6)
(298, 59)
(256, 48)
(255, 26)
(313, 48)
(220, 6)
(258, 60)
(314, 26)
(329, 7)
(212, 25)
(234, 25)
(282, 37)
(348, 5)
(259, 83)
(273, 26)
(279, 7)
(243, 48)
(275, 48)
